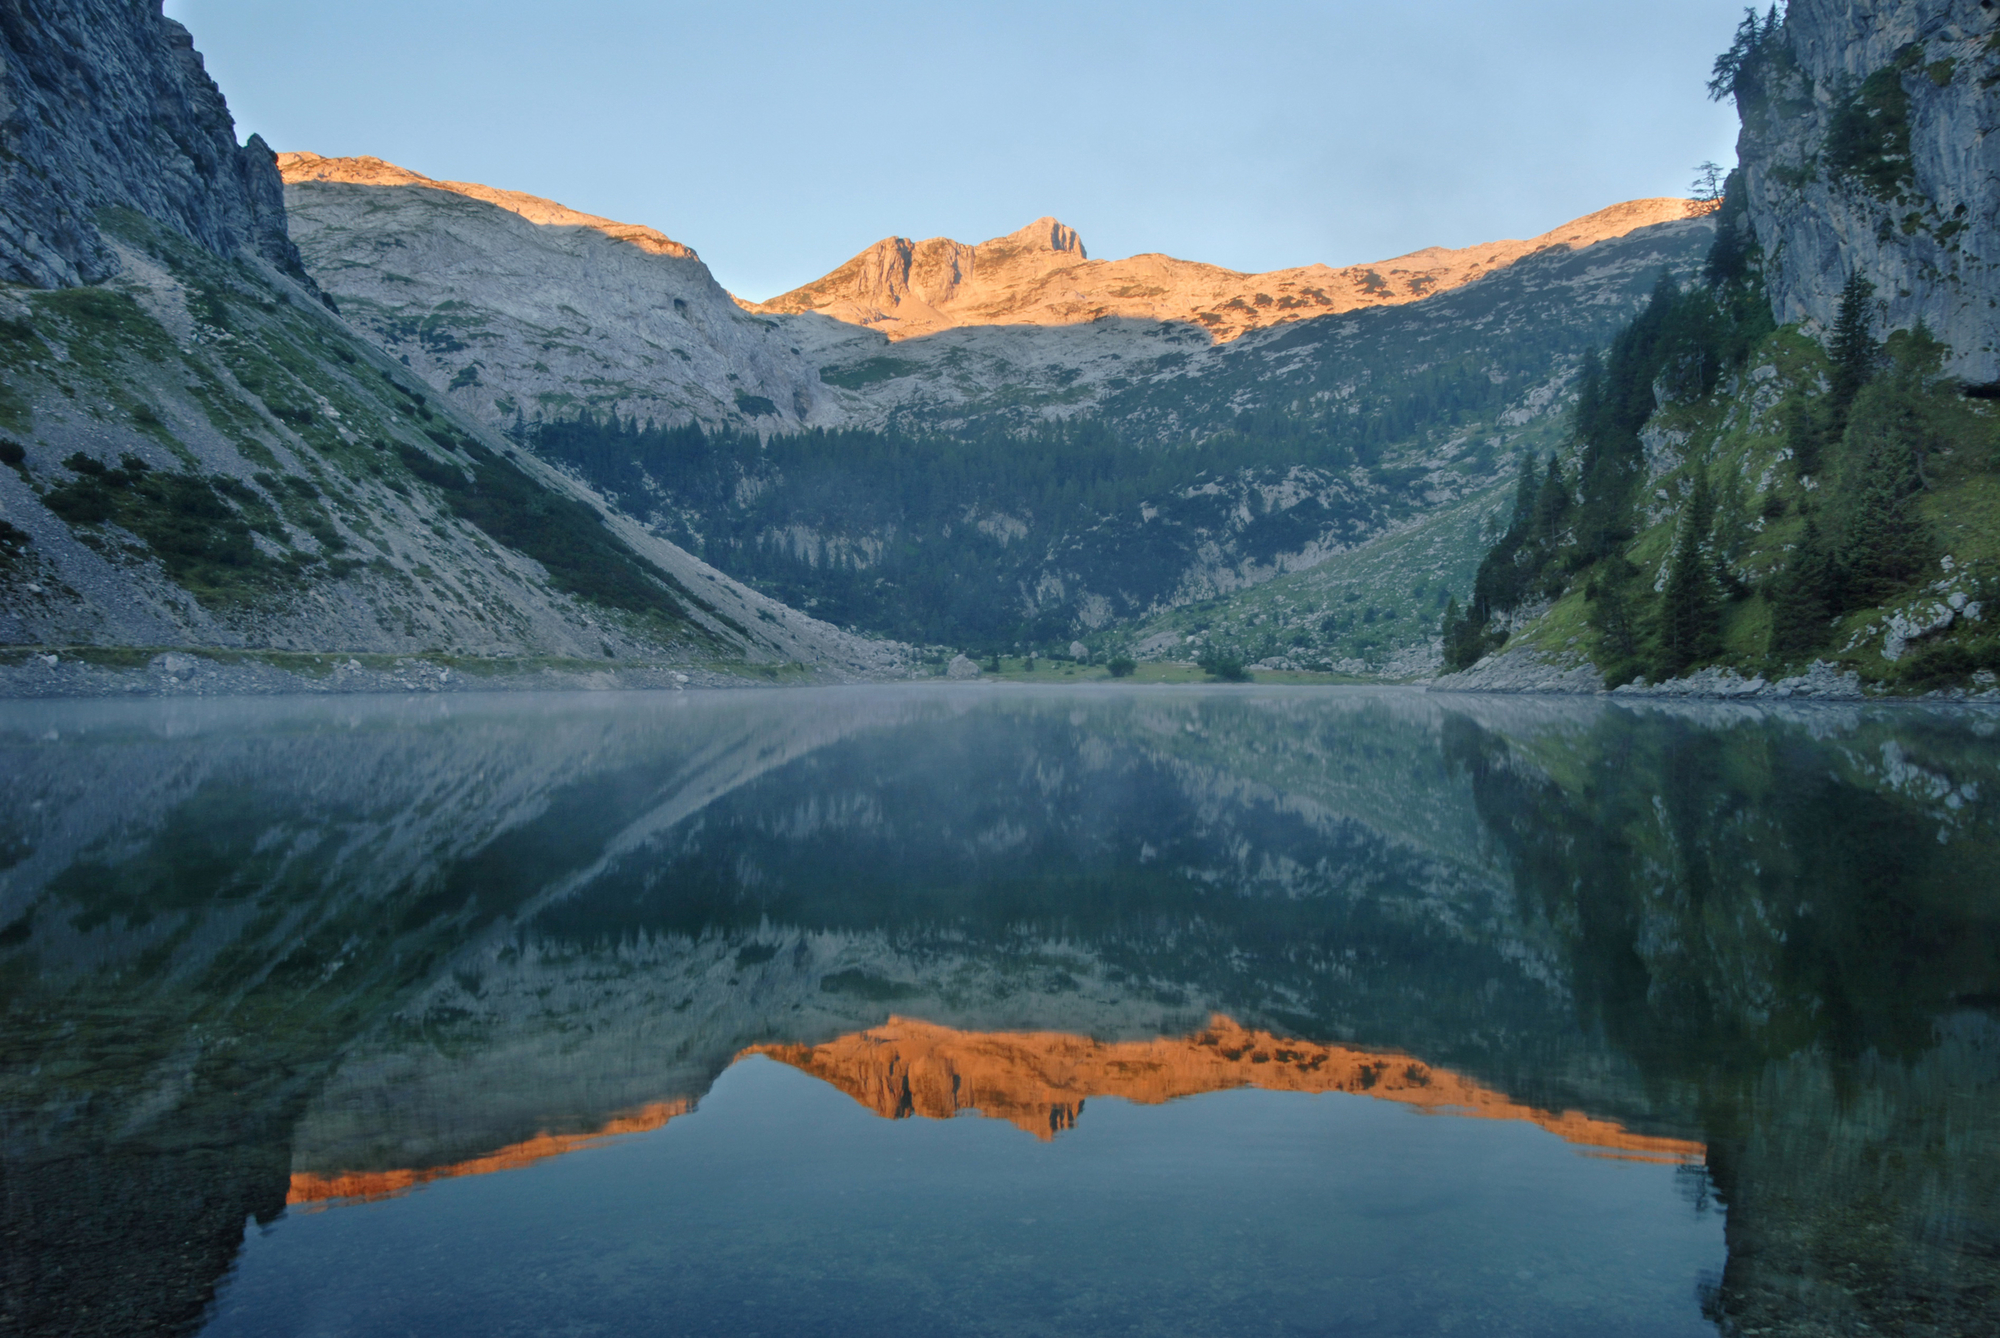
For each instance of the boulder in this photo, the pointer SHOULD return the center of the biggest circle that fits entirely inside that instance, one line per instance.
(961, 667)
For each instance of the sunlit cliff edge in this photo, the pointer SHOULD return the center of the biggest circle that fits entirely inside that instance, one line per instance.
(367, 171)
(1042, 275)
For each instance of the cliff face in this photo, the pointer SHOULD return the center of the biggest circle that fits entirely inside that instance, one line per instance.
(105, 103)
(513, 305)
(1042, 275)
(1869, 145)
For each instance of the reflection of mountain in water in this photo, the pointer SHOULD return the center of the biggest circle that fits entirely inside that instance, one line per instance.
(1038, 1081)
(251, 948)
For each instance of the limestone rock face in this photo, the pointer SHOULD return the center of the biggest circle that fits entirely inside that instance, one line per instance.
(106, 104)
(1869, 144)
(514, 305)
(1041, 275)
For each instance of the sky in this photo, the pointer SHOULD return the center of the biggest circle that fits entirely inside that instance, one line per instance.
(779, 139)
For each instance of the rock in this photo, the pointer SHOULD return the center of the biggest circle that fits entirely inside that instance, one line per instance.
(961, 667)
(107, 105)
(1078, 651)
(1907, 625)
(1928, 237)
(1041, 275)
(176, 664)
(1522, 670)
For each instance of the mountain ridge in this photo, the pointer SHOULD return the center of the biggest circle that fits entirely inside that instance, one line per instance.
(1042, 274)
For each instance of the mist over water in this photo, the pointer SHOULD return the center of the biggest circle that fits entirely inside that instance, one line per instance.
(993, 1011)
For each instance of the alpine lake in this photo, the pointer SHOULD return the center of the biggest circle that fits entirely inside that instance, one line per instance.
(998, 1011)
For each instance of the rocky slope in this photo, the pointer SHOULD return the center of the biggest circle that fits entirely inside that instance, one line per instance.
(1042, 275)
(1869, 146)
(518, 308)
(1813, 513)
(200, 454)
(105, 103)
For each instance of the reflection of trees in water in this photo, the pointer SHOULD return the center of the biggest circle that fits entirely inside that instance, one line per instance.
(1765, 921)
(1801, 938)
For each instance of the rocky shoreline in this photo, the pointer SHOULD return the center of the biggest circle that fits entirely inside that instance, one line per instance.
(1527, 671)
(59, 674)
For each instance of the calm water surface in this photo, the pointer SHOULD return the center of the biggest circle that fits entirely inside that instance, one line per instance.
(983, 1011)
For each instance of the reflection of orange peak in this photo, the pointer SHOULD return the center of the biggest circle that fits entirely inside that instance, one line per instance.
(1040, 1080)
(367, 1185)
(365, 171)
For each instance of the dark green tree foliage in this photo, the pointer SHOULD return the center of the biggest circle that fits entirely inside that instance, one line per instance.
(1616, 603)
(1691, 606)
(1802, 595)
(1804, 435)
(1739, 72)
(1884, 542)
(1855, 353)
(1679, 345)
(1869, 137)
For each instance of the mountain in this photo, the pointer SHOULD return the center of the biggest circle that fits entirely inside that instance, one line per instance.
(1743, 500)
(1041, 275)
(202, 455)
(109, 106)
(1867, 147)
(951, 480)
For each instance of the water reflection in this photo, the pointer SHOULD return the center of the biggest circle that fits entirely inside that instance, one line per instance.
(256, 953)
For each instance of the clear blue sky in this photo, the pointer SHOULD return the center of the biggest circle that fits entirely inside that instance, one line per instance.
(780, 138)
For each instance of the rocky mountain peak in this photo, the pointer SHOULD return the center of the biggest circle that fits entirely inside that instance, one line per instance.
(370, 171)
(1042, 275)
(106, 104)
(1045, 234)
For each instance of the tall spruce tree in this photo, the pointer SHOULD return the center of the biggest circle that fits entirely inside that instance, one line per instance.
(1803, 595)
(1691, 605)
(1855, 353)
(1884, 542)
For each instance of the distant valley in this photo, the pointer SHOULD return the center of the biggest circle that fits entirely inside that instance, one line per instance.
(1006, 445)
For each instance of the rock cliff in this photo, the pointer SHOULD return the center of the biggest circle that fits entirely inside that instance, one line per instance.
(1042, 275)
(518, 307)
(103, 104)
(1869, 146)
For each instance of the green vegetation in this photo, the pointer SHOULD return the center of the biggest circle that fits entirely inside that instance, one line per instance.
(866, 373)
(1872, 489)
(1223, 666)
(199, 527)
(1869, 137)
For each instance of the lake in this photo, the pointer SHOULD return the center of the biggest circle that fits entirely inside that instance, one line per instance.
(998, 1011)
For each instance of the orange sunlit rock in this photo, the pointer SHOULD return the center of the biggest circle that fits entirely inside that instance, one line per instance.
(308, 1188)
(366, 171)
(1039, 1081)
(1041, 275)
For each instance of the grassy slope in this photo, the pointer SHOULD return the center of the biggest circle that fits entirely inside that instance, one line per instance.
(1739, 435)
(246, 464)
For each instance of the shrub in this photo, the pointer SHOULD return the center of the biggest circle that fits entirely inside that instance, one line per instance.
(1122, 666)
(1225, 668)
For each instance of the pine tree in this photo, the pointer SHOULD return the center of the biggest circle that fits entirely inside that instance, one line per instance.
(1855, 352)
(1803, 434)
(1884, 544)
(1691, 609)
(1552, 503)
(1803, 595)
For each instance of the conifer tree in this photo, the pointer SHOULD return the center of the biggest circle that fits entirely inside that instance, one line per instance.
(1802, 595)
(1552, 504)
(1691, 606)
(1855, 352)
(1803, 436)
(1884, 543)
